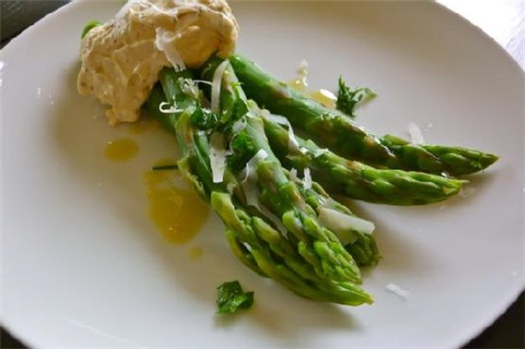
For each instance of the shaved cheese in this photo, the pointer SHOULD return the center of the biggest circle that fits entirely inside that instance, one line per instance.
(218, 155)
(203, 82)
(249, 173)
(164, 41)
(216, 85)
(319, 152)
(293, 144)
(274, 219)
(400, 292)
(189, 87)
(307, 183)
(415, 133)
(238, 126)
(293, 176)
(169, 110)
(342, 223)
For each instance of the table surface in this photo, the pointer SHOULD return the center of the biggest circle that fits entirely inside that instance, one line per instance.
(503, 20)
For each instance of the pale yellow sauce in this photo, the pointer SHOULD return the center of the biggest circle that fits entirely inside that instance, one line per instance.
(121, 149)
(177, 212)
(195, 253)
(299, 84)
(323, 96)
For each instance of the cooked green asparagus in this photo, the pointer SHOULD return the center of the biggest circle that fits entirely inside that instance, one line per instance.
(318, 245)
(255, 242)
(335, 130)
(355, 179)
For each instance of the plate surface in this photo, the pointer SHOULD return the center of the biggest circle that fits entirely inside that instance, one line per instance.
(83, 265)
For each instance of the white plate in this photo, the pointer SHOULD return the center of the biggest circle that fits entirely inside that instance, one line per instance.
(83, 265)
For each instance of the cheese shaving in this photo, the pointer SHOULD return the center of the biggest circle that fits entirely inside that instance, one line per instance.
(293, 144)
(169, 110)
(216, 86)
(189, 87)
(274, 219)
(293, 176)
(218, 156)
(164, 41)
(342, 224)
(415, 134)
(307, 183)
(205, 82)
(319, 152)
(238, 126)
(397, 290)
(248, 183)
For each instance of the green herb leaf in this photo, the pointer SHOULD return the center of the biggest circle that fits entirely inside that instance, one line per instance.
(348, 99)
(205, 119)
(89, 26)
(240, 109)
(231, 298)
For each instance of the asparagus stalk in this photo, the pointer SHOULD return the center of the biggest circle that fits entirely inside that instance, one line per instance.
(333, 129)
(315, 243)
(364, 245)
(256, 243)
(364, 248)
(355, 179)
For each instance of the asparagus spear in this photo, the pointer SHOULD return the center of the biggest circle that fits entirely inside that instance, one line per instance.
(355, 179)
(364, 248)
(333, 129)
(256, 243)
(233, 93)
(364, 243)
(316, 244)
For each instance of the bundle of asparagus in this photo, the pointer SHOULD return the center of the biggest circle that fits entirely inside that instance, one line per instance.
(271, 221)
(335, 130)
(245, 162)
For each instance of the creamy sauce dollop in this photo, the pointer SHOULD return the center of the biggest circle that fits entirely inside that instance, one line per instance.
(121, 59)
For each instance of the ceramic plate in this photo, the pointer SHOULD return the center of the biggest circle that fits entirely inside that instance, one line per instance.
(84, 266)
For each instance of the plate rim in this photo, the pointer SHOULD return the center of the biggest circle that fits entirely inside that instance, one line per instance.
(469, 333)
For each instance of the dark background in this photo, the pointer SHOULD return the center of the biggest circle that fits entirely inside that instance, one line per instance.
(507, 332)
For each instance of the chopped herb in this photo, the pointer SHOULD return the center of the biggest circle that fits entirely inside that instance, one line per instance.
(205, 119)
(231, 297)
(240, 109)
(348, 99)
